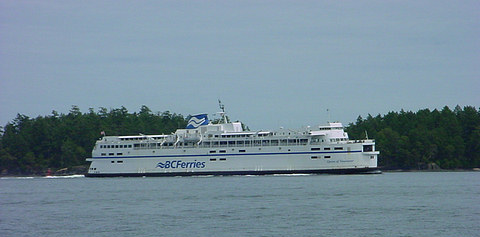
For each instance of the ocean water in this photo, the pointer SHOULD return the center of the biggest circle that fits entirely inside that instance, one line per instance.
(389, 204)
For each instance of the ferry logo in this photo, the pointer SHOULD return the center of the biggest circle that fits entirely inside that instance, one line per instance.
(197, 121)
(175, 164)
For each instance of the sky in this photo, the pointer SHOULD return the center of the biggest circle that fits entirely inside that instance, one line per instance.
(272, 63)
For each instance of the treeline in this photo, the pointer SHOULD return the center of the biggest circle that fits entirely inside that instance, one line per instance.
(58, 141)
(406, 140)
(409, 140)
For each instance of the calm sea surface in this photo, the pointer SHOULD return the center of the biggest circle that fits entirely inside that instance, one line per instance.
(389, 204)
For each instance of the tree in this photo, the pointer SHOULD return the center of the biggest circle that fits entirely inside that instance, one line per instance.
(30, 146)
(410, 140)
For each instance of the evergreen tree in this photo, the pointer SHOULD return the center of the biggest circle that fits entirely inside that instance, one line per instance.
(57, 141)
(409, 140)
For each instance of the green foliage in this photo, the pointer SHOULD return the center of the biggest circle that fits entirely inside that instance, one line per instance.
(408, 140)
(31, 146)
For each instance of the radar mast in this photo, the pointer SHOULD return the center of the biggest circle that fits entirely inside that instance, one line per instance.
(222, 113)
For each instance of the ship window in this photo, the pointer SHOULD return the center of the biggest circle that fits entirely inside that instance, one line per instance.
(112, 161)
(241, 150)
(213, 151)
(111, 154)
(315, 148)
(213, 159)
(116, 146)
(104, 154)
(223, 159)
(326, 148)
(314, 157)
(338, 148)
(120, 161)
(326, 157)
(119, 154)
(222, 151)
(367, 148)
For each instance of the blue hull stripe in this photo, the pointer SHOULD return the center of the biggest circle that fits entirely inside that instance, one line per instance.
(227, 154)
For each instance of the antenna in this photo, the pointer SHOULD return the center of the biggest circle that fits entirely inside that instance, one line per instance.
(222, 107)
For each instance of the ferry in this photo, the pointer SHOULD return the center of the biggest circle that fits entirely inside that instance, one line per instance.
(225, 148)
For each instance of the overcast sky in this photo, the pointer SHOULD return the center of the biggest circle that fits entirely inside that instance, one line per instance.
(272, 63)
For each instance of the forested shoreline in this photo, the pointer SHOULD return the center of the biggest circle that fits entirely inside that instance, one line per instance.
(450, 139)
(444, 139)
(59, 141)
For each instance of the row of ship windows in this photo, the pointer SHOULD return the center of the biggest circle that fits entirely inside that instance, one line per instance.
(116, 146)
(220, 159)
(112, 154)
(225, 151)
(319, 157)
(326, 148)
(284, 142)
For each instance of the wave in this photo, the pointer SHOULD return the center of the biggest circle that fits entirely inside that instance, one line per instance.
(65, 176)
(17, 177)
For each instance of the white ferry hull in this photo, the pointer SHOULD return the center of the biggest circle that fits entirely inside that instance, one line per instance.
(253, 161)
